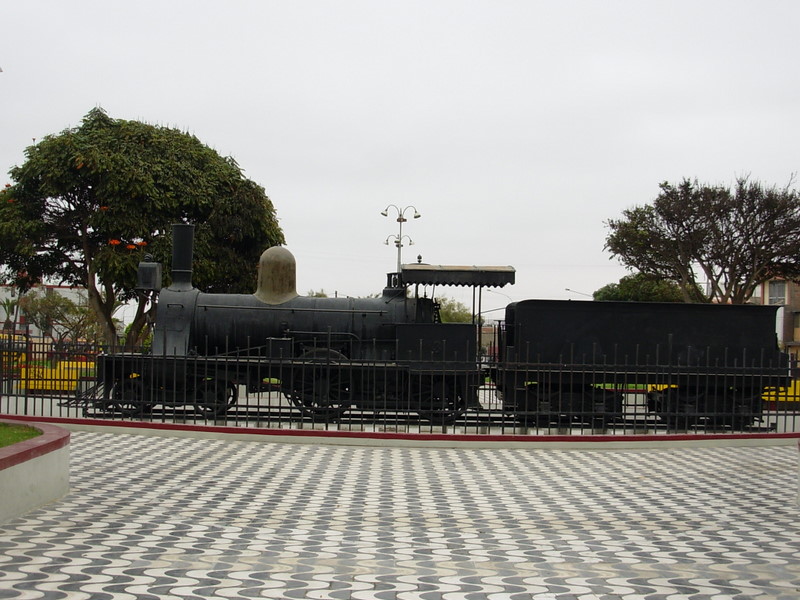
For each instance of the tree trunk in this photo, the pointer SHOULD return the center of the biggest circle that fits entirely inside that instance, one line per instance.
(101, 309)
(138, 328)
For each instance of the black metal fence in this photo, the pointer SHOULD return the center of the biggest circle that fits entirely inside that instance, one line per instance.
(326, 390)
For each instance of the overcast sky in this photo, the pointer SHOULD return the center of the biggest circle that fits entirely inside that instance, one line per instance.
(516, 128)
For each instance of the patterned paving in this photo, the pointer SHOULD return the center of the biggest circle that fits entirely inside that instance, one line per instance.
(181, 518)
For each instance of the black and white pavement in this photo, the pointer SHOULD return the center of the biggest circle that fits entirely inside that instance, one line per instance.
(188, 518)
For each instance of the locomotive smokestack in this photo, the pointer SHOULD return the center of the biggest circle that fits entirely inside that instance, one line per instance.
(182, 251)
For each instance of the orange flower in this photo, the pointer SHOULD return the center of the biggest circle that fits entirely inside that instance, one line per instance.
(103, 208)
(142, 243)
(131, 247)
(114, 242)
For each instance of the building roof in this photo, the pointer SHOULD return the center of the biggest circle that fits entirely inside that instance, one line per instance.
(474, 276)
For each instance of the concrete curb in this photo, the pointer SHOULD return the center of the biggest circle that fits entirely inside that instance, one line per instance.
(34, 472)
(423, 440)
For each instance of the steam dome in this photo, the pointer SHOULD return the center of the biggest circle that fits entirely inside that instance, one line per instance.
(277, 276)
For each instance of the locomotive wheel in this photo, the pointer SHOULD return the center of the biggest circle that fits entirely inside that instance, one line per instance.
(734, 408)
(319, 389)
(674, 407)
(215, 397)
(127, 398)
(685, 407)
(541, 406)
(437, 399)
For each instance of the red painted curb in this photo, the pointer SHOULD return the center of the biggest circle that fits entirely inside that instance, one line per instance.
(578, 439)
(52, 438)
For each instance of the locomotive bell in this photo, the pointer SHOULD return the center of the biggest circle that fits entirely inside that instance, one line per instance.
(277, 276)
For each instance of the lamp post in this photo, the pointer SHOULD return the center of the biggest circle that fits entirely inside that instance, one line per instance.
(506, 296)
(579, 293)
(398, 239)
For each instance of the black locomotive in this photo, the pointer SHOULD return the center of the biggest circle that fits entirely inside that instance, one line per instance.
(556, 361)
(325, 354)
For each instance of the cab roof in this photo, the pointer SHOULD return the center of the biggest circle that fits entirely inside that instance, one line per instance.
(467, 275)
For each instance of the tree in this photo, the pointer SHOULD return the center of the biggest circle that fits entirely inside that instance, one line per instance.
(9, 307)
(61, 318)
(453, 311)
(88, 203)
(640, 287)
(731, 240)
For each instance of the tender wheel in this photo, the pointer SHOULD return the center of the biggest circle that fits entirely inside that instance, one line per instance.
(679, 423)
(438, 399)
(127, 398)
(734, 408)
(521, 403)
(215, 397)
(319, 388)
(675, 407)
(540, 406)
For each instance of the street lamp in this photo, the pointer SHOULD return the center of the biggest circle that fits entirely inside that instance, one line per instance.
(398, 239)
(579, 293)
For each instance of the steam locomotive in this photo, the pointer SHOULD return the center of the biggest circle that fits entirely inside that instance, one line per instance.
(324, 354)
(556, 360)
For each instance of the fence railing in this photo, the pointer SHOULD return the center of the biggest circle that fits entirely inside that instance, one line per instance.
(326, 390)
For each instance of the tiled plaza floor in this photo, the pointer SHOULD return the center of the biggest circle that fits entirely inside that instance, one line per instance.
(156, 517)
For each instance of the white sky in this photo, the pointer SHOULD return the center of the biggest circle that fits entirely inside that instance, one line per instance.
(517, 128)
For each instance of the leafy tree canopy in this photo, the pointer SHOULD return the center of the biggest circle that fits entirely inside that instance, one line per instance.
(730, 240)
(88, 203)
(640, 287)
(453, 311)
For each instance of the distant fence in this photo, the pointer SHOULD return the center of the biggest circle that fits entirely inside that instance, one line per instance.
(326, 390)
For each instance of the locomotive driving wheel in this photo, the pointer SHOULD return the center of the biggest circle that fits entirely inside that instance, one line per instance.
(437, 399)
(127, 398)
(318, 387)
(214, 397)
